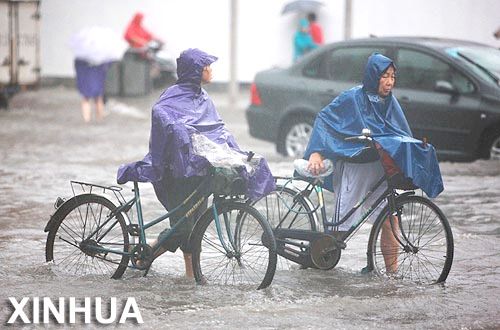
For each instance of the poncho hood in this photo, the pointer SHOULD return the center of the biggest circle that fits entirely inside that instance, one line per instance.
(376, 65)
(135, 34)
(190, 66)
(303, 24)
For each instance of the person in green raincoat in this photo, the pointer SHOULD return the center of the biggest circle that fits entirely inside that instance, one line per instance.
(302, 41)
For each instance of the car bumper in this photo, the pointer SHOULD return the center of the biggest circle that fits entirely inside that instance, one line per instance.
(262, 124)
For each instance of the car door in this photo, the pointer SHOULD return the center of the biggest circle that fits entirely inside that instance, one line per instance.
(445, 116)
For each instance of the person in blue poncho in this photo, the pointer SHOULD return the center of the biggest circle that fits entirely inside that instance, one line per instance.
(184, 114)
(372, 106)
(302, 40)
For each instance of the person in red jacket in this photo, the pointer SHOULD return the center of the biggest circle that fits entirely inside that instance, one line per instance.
(315, 29)
(136, 35)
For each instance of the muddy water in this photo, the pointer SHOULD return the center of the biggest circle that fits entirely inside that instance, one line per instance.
(44, 144)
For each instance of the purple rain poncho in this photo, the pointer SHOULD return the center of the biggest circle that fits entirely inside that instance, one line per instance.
(182, 110)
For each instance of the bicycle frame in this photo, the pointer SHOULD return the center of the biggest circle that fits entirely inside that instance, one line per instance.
(201, 193)
(389, 194)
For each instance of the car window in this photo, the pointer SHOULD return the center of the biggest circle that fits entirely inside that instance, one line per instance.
(313, 69)
(420, 71)
(483, 60)
(348, 64)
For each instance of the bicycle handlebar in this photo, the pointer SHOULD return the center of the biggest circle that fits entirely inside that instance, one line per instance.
(359, 138)
(366, 135)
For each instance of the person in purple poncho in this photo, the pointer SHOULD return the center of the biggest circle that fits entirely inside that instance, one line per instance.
(184, 110)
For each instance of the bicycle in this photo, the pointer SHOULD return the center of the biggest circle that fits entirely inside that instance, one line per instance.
(232, 243)
(424, 248)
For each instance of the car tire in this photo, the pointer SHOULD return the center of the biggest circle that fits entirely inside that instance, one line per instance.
(294, 135)
(491, 146)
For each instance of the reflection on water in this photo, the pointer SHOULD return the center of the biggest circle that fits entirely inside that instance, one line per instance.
(39, 155)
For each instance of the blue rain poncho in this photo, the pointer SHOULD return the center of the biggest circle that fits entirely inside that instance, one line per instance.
(185, 110)
(362, 107)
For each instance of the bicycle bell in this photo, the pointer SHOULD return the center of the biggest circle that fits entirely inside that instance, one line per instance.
(366, 132)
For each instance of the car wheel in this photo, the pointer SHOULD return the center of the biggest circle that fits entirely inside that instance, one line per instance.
(495, 147)
(295, 135)
(490, 148)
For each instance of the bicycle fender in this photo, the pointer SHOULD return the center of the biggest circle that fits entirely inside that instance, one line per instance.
(64, 206)
(205, 214)
(407, 193)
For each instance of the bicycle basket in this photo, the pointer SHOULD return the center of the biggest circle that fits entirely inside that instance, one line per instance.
(228, 181)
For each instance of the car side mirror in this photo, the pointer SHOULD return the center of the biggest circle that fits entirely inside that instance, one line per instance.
(444, 86)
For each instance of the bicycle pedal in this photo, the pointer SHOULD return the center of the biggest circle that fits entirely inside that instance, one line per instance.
(146, 271)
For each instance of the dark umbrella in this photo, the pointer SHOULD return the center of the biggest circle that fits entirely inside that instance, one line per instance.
(301, 6)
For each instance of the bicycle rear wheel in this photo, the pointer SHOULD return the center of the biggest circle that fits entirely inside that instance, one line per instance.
(83, 237)
(424, 253)
(287, 208)
(248, 255)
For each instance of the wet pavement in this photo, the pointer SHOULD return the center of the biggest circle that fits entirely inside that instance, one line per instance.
(44, 144)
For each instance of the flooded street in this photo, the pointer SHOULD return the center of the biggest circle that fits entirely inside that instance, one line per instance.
(44, 144)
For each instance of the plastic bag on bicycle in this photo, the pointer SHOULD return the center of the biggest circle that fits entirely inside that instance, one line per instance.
(231, 169)
(228, 181)
(221, 155)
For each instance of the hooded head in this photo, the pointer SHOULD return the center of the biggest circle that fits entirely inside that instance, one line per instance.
(375, 67)
(190, 65)
(303, 25)
(138, 17)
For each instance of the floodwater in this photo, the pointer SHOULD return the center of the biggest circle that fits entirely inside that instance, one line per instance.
(44, 144)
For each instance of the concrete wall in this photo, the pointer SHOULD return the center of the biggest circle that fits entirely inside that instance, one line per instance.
(459, 19)
(264, 35)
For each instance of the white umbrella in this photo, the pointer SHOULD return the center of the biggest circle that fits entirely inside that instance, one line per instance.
(97, 45)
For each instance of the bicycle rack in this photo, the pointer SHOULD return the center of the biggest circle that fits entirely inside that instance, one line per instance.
(89, 188)
(80, 187)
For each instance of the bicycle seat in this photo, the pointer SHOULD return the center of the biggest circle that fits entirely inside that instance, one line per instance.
(301, 167)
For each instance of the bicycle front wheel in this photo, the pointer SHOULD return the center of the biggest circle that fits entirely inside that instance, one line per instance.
(416, 245)
(241, 252)
(87, 238)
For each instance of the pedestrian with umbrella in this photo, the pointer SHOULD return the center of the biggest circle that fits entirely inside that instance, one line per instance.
(302, 40)
(94, 49)
(305, 39)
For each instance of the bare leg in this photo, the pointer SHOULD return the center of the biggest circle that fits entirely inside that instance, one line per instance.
(86, 111)
(188, 261)
(389, 246)
(99, 103)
